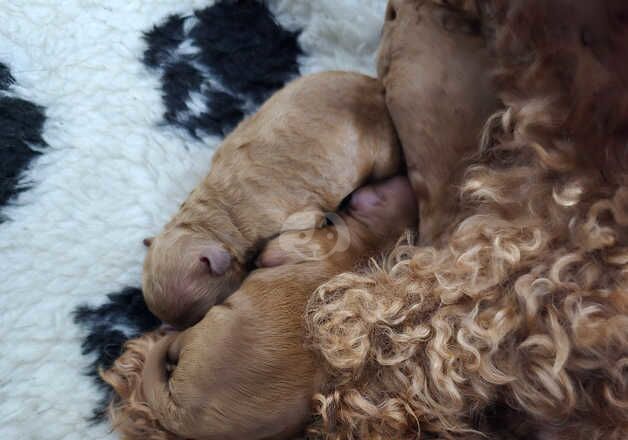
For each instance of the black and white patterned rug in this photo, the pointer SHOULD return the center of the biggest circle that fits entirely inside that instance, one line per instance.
(109, 114)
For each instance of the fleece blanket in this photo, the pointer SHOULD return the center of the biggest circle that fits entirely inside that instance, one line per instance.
(110, 111)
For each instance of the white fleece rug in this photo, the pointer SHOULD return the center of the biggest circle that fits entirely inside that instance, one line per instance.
(130, 126)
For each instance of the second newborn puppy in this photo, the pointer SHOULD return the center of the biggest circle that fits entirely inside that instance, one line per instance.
(307, 148)
(243, 372)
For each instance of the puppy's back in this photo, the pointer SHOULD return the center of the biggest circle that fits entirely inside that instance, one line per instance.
(308, 147)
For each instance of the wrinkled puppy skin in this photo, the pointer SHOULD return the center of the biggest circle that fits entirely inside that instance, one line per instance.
(435, 68)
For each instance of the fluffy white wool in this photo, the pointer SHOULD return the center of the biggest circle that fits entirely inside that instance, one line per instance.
(110, 177)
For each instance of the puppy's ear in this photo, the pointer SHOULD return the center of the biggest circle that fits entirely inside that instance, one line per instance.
(216, 258)
(148, 241)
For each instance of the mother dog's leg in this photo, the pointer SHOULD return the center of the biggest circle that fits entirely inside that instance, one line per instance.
(436, 73)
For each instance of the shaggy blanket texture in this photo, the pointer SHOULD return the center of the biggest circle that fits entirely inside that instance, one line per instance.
(109, 114)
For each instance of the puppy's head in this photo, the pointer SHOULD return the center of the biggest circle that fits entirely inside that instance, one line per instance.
(185, 274)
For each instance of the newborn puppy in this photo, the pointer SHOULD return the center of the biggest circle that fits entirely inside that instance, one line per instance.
(243, 372)
(434, 65)
(306, 149)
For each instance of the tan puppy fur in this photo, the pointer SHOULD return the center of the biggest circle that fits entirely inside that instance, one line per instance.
(435, 69)
(243, 372)
(305, 150)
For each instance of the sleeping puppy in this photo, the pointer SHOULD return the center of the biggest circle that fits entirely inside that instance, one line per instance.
(306, 149)
(435, 67)
(243, 372)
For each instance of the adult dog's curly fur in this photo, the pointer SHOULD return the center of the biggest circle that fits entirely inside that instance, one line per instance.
(523, 314)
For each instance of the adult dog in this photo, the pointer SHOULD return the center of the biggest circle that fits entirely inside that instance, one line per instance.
(517, 316)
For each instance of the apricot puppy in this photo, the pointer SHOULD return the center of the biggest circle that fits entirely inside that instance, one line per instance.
(243, 372)
(306, 149)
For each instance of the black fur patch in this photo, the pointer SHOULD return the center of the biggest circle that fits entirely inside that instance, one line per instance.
(226, 59)
(21, 125)
(122, 317)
